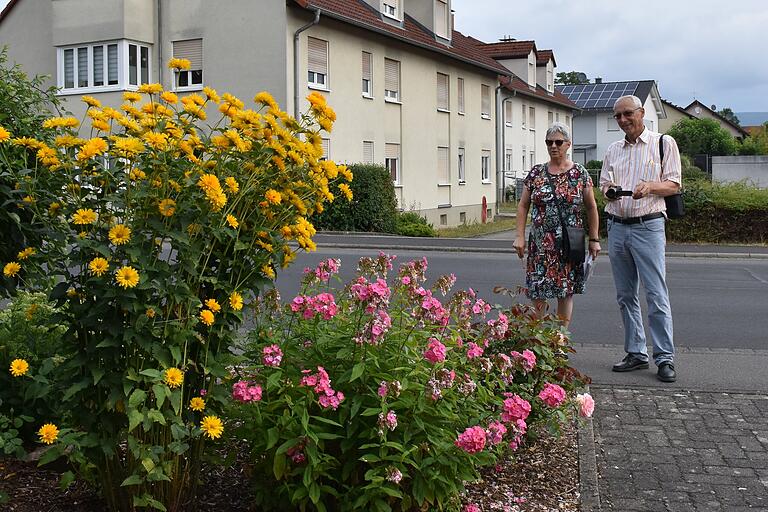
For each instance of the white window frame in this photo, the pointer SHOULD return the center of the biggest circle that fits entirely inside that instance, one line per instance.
(485, 92)
(611, 125)
(508, 106)
(532, 118)
(326, 145)
(446, 106)
(508, 160)
(460, 94)
(550, 118)
(315, 78)
(462, 166)
(191, 77)
(525, 168)
(485, 166)
(390, 161)
(367, 82)
(391, 95)
(122, 67)
(442, 26)
(391, 9)
(524, 117)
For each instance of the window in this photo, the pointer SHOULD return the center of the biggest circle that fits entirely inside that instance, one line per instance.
(550, 118)
(390, 8)
(443, 169)
(367, 76)
(391, 80)
(462, 172)
(532, 118)
(485, 170)
(460, 84)
(462, 217)
(568, 121)
(442, 92)
(392, 162)
(508, 113)
(110, 66)
(508, 161)
(443, 219)
(367, 151)
(441, 19)
(524, 112)
(525, 168)
(611, 124)
(326, 145)
(485, 102)
(317, 63)
(557, 117)
(531, 72)
(533, 158)
(192, 50)
(550, 79)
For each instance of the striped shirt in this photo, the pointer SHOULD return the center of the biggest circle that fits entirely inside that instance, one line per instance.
(627, 164)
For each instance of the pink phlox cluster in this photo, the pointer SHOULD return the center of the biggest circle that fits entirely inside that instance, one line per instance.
(471, 507)
(435, 352)
(324, 270)
(296, 454)
(515, 408)
(552, 394)
(322, 304)
(474, 350)
(394, 475)
(375, 328)
(445, 377)
(494, 434)
(373, 294)
(499, 326)
(271, 355)
(466, 385)
(518, 428)
(378, 266)
(527, 359)
(412, 273)
(387, 421)
(321, 384)
(390, 388)
(481, 307)
(434, 390)
(245, 391)
(433, 310)
(586, 405)
(472, 440)
(445, 283)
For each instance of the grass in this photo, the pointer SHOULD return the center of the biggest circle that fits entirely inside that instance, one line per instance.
(470, 230)
(510, 207)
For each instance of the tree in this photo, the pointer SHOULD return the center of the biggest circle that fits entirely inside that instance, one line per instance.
(756, 143)
(703, 136)
(571, 78)
(729, 115)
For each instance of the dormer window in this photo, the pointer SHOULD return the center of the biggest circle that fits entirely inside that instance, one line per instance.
(441, 19)
(390, 8)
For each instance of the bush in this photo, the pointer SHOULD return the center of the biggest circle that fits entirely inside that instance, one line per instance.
(594, 164)
(358, 401)
(373, 207)
(702, 136)
(413, 224)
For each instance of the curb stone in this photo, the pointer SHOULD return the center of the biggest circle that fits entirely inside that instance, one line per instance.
(589, 490)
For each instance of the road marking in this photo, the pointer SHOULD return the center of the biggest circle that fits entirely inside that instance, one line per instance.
(755, 276)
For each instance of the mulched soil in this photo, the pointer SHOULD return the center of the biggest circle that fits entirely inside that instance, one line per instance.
(542, 477)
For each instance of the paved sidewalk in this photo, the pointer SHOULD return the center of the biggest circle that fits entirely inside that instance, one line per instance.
(662, 449)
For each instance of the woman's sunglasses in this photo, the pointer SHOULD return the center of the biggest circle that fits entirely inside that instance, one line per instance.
(557, 143)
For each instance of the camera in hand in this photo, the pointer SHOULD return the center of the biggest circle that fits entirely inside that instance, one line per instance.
(616, 191)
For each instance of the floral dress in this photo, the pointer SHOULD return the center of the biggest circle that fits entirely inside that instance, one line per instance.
(548, 275)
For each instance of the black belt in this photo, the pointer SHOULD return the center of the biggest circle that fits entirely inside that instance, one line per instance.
(635, 220)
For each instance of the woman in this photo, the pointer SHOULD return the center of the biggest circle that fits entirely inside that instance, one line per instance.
(548, 275)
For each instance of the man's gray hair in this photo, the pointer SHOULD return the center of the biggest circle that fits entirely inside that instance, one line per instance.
(561, 129)
(635, 101)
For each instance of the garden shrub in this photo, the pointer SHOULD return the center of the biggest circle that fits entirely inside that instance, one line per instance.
(386, 396)
(413, 224)
(373, 207)
(158, 231)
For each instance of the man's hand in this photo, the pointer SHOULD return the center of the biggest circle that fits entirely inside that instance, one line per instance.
(643, 189)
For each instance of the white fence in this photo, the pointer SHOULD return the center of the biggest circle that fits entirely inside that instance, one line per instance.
(752, 169)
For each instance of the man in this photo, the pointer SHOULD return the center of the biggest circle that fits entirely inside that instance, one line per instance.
(636, 236)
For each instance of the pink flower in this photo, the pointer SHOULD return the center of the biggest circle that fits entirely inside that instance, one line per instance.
(388, 421)
(394, 475)
(495, 432)
(552, 394)
(243, 391)
(471, 507)
(527, 359)
(473, 350)
(272, 355)
(333, 400)
(515, 408)
(472, 440)
(435, 352)
(586, 405)
(405, 280)
(383, 388)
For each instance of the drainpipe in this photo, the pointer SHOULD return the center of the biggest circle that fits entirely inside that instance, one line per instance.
(160, 42)
(501, 145)
(296, 62)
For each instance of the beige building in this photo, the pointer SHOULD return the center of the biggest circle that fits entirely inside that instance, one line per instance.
(410, 92)
(674, 114)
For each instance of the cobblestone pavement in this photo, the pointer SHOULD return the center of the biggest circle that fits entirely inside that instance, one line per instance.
(672, 450)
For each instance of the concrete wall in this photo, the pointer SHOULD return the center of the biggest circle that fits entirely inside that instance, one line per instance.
(753, 169)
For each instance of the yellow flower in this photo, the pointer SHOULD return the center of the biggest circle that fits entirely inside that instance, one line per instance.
(268, 271)
(61, 122)
(27, 142)
(120, 234)
(150, 88)
(26, 253)
(169, 97)
(232, 185)
(217, 198)
(167, 207)
(127, 146)
(211, 94)
(236, 301)
(173, 377)
(19, 367)
(133, 97)
(48, 433)
(71, 293)
(213, 305)
(101, 125)
(209, 182)
(273, 196)
(11, 269)
(206, 316)
(212, 427)
(98, 266)
(179, 64)
(84, 216)
(150, 313)
(28, 199)
(156, 140)
(127, 277)
(346, 191)
(197, 404)
(91, 101)
(232, 221)
(30, 312)
(4, 134)
(137, 174)
(93, 147)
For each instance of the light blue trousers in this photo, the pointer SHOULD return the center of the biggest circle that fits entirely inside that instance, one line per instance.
(637, 254)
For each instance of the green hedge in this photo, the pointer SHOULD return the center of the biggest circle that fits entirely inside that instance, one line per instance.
(373, 206)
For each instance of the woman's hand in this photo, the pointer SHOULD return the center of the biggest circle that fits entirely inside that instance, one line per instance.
(519, 245)
(594, 249)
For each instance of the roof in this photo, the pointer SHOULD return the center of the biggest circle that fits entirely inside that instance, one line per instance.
(510, 49)
(7, 9)
(519, 86)
(735, 126)
(678, 108)
(601, 97)
(359, 13)
(543, 56)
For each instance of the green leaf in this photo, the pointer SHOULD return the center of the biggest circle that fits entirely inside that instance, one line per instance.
(161, 393)
(314, 493)
(137, 397)
(156, 416)
(97, 372)
(278, 466)
(371, 411)
(176, 353)
(272, 436)
(357, 371)
(132, 480)
(66, 480)
(109, 342)
(148, 464)
(328, 421)
(134, 418)
(151, 373)
(75, 388)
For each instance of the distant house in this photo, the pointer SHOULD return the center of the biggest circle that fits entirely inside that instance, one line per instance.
(675, 113)
(594, 127)
(701, 111)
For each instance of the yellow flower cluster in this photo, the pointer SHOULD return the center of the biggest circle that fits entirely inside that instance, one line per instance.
(127, 277)
(212, 427)
(48, 433)
(11, 269)
(19, 367)
(209, 183)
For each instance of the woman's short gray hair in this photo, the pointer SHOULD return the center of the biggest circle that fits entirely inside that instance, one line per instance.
(561, 129)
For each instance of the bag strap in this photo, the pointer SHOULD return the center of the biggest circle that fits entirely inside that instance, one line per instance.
(554, 197)
(661, 154)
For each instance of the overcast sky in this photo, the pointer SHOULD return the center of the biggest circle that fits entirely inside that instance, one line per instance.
(712, 50)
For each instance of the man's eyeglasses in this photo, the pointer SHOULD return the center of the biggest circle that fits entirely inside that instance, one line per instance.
(626, 113)
(557, 143)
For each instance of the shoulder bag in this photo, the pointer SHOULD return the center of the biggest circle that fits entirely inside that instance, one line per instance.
(675, 205)
(574, 245)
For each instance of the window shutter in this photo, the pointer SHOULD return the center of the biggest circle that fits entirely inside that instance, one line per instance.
(82, 67)
(508, 112)
(442, 166)
(318, 55)
(112, 64)
(441, 19)
(392, 151)
(391, 75)
(442, 91)
(367, 152)
(192, 50)
(532, 118)
(98, 65)
(486, 100)
(326, 149)
(366, 66)
(461, 94)
(69, 68)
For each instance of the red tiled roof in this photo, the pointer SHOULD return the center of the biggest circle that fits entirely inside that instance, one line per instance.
(517, 85)
(357, 12)
(543, 56)
(510, 49)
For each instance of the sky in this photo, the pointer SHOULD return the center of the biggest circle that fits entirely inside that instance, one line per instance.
(710, 50)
